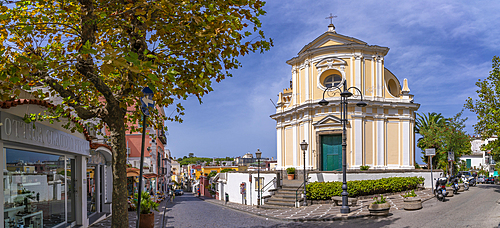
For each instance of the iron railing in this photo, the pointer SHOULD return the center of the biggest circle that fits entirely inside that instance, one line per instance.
(297, 192)
(265, 186)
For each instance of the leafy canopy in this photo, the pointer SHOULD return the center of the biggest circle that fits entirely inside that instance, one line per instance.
(487, 108)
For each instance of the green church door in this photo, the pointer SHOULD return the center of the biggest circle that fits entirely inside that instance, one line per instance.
(331, 149)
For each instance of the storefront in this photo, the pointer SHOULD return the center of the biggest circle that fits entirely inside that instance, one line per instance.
(44, 171)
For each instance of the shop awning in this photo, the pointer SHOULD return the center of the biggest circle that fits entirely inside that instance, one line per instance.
(150, 175)
(132, 172)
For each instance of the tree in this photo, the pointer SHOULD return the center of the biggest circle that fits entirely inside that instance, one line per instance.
(426, 121)
(487, 108)
(191, 155)
(98, 55)
(445, 136)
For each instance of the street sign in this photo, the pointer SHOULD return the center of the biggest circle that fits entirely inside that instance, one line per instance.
(430, 152)
(451, 156)
(147, 100)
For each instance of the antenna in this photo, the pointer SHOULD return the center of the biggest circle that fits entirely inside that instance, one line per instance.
(273, 103)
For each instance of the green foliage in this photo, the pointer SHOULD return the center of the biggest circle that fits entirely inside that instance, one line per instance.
(417, 166)
(147, 205)
(487, 108)
(290, 170)
(212, 174)
(226, 170)
(443, 134)
(195, 160)
(483, 172)
(377, 201)
(325, 190)
(364, 167)
(409, 194)
(497, 167)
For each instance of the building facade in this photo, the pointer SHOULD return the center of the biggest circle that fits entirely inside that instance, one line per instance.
(379, 135)
(479, 158)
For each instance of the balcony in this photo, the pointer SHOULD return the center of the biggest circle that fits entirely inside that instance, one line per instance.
(162, 136)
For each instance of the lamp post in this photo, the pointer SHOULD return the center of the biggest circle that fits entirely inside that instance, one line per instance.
(146, 103)
(258, 154)
(344, 94)
(303, 146)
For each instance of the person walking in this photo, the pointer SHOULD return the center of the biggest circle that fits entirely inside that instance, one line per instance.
(199, 192)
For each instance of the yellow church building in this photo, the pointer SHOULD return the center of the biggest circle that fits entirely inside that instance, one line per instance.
(380, 135)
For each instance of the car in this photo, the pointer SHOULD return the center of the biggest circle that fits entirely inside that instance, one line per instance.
(464, 173)
(481, 179)
(178, 192)
(490, 180)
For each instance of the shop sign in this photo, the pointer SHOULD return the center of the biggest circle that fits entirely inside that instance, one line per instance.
(14, 129)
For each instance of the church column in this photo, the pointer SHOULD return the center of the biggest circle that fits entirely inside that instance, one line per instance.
(380, 120)
(306, 137)
(294, 145)
(357, 71)
(406, 142)
(278, 146)
(307, 76)
(358, 138)
(379, 76)
(294, 86)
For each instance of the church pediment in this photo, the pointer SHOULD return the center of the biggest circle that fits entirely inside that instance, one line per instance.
(328, 121)
(331, 39)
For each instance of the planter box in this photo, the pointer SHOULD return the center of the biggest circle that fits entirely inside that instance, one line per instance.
(412, 203)
(147, 220)
(450, 192)
(379, 209)
(462, 187)
(337, 200)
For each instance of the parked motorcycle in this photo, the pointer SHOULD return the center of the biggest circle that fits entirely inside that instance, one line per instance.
(440, 190)
(455, 185)
(466, 182)
(472, 181)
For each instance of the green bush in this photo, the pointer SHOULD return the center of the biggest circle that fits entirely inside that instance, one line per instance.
(290, 170)
(364, 167)
(325, 190)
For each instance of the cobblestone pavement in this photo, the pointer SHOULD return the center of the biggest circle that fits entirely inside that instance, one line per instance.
(321, 212)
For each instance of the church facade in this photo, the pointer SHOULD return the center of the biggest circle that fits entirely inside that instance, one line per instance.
(380, 135)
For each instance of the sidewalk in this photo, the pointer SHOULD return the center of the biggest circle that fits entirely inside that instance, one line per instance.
(132, 217)
(319, 212)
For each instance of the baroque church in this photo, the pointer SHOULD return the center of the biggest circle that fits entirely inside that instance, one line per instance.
(380, 135)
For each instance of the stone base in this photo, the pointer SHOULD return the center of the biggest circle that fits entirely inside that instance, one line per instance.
(412, 203)
(379, 209)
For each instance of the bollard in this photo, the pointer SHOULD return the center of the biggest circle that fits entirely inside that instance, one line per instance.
(227, 198)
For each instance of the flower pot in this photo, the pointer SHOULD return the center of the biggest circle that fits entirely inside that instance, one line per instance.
(379, 209)
(147, 221)
(450, 192)
(412, 203)
(291, 176)
(462, 187)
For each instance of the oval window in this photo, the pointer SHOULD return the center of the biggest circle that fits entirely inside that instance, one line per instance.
(332, 80)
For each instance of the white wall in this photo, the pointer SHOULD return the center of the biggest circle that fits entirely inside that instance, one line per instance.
(231, 185)
(474, 161)
(328, 177)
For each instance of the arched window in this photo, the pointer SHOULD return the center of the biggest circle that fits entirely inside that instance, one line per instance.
(332, 80)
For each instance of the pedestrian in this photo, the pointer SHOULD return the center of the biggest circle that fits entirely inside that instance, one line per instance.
(199, 192)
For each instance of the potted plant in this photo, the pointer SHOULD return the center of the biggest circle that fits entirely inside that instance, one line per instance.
(147, 215)
(364, 167)
(379, 207)
(411, 201)
(291, 173)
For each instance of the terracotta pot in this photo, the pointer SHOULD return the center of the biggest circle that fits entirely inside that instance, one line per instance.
(147, 220)
(379, 209)
(291, 176)
(412, 203)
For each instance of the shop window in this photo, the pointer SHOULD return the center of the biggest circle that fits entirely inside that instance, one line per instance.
(33, 198)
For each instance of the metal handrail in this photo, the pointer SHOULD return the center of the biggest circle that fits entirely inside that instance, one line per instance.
(264, 188)
(296, 192)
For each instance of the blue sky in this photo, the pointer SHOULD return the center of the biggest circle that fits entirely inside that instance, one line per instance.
(441, 47)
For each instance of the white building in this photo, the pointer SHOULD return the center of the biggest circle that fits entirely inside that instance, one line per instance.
(480, 158)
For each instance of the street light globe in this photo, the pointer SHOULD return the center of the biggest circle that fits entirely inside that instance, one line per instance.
(361, 104)
(303, 145)
(323, 102)
(258, 154)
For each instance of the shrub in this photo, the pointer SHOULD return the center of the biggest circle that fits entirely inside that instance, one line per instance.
(290, 170)
(325, 190)
(409, 194)
(364, 167)
(381, 201)
(417, 166)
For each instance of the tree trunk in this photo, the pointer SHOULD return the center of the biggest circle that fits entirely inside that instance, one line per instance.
(118, 143)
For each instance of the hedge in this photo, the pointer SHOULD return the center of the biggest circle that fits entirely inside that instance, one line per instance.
(325, 190)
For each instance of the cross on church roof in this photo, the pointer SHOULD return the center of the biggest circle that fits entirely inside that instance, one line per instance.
(331, 18)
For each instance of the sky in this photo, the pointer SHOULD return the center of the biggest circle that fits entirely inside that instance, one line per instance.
(441, 47)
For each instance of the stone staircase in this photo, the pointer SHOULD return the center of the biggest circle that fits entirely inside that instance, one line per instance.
(285, 196)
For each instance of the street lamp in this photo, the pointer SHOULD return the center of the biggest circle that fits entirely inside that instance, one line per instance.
(258, 154)
(303, 146)
(344, 94)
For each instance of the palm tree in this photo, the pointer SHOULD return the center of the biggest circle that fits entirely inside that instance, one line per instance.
(425, 121)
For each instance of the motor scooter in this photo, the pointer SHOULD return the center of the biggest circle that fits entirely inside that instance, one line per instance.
(466, 182)
(472, 181)
(440, 190)
(455, 185)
